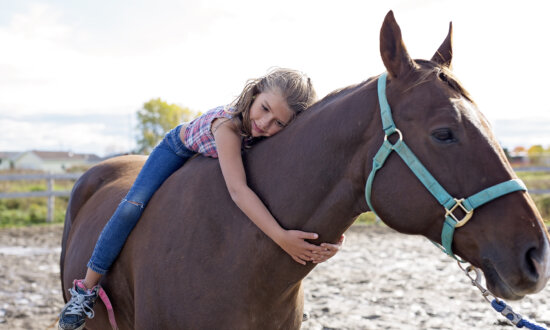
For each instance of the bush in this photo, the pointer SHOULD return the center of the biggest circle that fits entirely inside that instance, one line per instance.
(366, 218)
(543, 205)
(30, 211)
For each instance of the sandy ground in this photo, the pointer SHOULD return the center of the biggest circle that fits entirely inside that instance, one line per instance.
(380, 280)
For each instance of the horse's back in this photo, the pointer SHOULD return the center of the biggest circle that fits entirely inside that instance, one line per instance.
(192, 247)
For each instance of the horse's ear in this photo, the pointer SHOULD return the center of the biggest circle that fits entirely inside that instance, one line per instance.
(393, 50)
(444, 54)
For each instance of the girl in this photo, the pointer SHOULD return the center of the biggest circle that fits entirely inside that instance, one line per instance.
(266, 106)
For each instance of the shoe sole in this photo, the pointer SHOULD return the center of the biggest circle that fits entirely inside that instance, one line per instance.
(79, 328)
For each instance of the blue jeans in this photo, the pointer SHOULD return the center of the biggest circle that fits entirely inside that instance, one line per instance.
(168, 156)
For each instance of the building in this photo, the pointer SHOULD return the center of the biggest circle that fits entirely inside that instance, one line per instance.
(7, 161)
(47, 161)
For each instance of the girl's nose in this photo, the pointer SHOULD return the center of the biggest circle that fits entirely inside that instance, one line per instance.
(266, 122)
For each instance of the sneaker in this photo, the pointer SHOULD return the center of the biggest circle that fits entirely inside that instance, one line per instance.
(73, 315)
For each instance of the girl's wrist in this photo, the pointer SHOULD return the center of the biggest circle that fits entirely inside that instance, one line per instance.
(279, 236)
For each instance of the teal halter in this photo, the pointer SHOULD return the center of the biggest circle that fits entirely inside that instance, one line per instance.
(447, 201)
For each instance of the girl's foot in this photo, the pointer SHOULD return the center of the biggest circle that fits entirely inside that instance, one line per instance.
(73, 315)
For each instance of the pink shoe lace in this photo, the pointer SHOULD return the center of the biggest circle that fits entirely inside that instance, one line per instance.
(105, 300)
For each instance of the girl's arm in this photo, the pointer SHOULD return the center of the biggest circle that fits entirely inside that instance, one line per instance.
(228, 143)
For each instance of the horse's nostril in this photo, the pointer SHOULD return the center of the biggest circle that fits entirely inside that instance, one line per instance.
(533, 264)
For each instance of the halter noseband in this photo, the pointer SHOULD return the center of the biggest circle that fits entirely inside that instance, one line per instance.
(447, 201)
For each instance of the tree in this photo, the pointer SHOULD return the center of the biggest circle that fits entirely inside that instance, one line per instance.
(155, 119)
(535, 154)
(519, 150)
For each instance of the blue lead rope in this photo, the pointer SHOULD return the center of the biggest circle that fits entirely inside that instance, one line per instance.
(501, 307)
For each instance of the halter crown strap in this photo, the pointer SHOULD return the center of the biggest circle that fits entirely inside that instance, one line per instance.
(385, 111)
(441, 195)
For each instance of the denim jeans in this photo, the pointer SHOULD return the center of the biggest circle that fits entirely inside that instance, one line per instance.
(168, 156)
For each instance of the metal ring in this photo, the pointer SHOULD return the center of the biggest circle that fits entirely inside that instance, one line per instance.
(396, 131)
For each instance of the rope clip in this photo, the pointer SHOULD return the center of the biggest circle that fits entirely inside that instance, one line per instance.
(476, 280)
(511, 315)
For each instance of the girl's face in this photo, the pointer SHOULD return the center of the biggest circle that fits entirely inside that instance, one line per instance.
(269, 114)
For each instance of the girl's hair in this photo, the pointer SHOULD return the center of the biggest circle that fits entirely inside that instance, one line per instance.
(295, 87)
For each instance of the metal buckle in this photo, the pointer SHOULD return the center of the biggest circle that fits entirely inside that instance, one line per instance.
(467, 217)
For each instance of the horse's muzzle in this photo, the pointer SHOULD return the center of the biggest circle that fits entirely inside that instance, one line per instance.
(528, 276)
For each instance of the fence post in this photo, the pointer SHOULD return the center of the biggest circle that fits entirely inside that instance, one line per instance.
(51, 199)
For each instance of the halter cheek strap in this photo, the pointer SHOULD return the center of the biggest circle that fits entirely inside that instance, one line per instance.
(450, 204)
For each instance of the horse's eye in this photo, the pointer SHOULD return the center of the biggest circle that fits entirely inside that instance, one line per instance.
(444, 135)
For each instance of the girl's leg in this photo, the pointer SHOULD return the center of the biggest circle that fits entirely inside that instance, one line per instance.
(91, 279)
(165, 159)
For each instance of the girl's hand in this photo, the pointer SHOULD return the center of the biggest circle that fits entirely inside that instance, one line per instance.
(293, 242)
(329, 250)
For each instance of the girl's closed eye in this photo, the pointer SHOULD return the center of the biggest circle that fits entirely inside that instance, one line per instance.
(265, 108)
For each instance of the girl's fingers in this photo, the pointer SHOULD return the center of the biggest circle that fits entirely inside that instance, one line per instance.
(321, 259)
(306, 235)
(311, 248)
(328, 246)
(298, 260)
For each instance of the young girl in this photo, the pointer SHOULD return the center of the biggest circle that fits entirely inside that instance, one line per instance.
(266, 106)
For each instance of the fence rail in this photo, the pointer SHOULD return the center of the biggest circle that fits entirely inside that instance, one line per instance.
(532, 169)
(535, 169)
(539, 191)
(49, 192)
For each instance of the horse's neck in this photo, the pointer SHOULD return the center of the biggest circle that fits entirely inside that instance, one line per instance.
(317, 183)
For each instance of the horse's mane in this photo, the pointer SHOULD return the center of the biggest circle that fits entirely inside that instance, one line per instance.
(444, 74)
(341, 92)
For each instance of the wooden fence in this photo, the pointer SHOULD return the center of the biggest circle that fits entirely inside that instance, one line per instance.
(50, 193)
(535, 169)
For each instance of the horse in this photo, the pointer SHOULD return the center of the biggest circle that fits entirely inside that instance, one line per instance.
(195, 261)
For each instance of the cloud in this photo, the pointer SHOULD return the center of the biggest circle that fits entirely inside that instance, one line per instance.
(81, 58)
(78, 134)
(523, 132)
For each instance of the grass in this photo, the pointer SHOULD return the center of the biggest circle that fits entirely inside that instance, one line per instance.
(18, 212)
(21, 212)
(535, 180)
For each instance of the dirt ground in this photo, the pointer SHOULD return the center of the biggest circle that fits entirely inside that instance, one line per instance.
(380, 280)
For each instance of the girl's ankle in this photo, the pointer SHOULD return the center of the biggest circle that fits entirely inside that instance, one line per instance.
(84, 285)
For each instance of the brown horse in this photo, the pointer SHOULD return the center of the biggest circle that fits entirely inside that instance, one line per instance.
(194, 261)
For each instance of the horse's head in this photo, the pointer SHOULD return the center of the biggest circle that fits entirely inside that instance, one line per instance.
(441, 124)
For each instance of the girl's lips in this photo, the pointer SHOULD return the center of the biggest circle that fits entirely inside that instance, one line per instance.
(256, 128)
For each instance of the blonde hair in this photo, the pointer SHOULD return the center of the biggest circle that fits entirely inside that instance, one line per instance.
(295, 87)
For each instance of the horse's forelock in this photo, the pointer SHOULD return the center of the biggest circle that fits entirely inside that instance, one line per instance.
(442, 73)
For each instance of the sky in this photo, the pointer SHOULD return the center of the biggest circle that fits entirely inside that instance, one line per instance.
(74, 73)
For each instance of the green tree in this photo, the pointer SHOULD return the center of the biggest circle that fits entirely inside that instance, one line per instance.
(535, 154)
(155, 119)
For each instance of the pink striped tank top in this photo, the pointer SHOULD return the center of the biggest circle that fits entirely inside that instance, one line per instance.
(198, 135)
